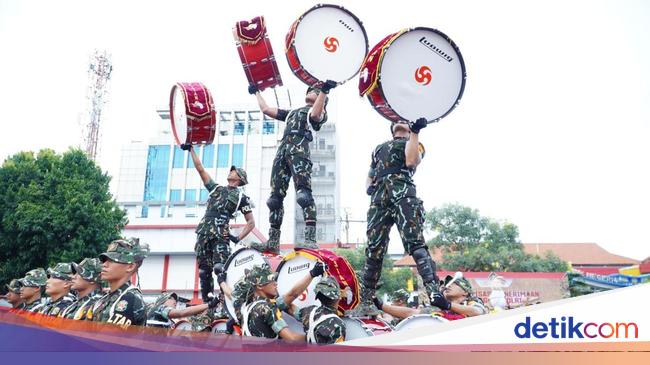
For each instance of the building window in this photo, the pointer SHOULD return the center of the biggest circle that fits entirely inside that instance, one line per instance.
(208, 156)
(179, 158)
(155, 183)
(175, 195)
(268, 127)
(190, 198)
(145, 211)
(222, 155)
(238, 155)
(239, 129)
(204, 195)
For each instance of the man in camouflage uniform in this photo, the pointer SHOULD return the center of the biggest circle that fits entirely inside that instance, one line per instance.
(456, 301)
(400, 297)
(163, 310)
(322, 323)
(59, 283)
(260, 314)
(213, 231)
(293, 159)
(393, 200)
(85, 281)
(123, 305)
(13, 294)
(31, 289)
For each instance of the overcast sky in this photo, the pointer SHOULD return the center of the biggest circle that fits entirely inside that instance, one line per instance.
(552, 132)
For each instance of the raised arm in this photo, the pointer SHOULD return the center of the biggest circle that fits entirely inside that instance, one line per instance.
(316, 114)
(396, 310)
(205, 177)
(301, 285)
(190, 311)
(267, 110)
(412, 146)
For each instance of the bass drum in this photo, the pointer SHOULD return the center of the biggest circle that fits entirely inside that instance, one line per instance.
(365, 327)
(239, 261)
(420, 321)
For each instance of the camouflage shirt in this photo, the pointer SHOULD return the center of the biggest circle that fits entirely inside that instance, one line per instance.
(392, 178)
(328, 331)
(123, 307)
(79, 309)
(262, 313)
(223, 203)
(159, 317)
(55, 308)
(297, 129)
(35, 306)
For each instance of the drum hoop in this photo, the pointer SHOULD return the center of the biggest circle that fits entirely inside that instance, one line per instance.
(462, 67)
(376, 82)
(294, 29)
(171, 114)
(226, 266)
(430, 315)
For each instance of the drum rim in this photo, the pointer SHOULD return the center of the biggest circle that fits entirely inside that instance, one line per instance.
(171, 112)
(293, 50)
(440, 318)
(381, 61)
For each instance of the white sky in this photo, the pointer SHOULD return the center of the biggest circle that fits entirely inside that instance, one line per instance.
(552, 132)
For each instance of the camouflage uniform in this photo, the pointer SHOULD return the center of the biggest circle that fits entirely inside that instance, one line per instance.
(54, 308)
(14, 287)
(124, 306)
(158, 313)
(261, 317)
(322, 323)
(35, 278)
(293, 159)
(212, 243)
(394, 201)
(400, 295)
(89, 269)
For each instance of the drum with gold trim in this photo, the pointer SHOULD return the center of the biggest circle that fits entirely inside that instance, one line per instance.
(256, 53)
(194, 119)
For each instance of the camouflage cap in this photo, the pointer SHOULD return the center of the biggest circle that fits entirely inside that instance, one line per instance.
(89, 269)
(62, 271)
(242, 175)
(462, 282)
(14, 286)
(34, 278)
(329, 287)
(314, 88)
(260, 275)
(401, 295)
(125, 251)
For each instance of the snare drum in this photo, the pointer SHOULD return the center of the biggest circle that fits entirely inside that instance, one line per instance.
(235, 266)
(327, 42)
(365, 327)
(192, 113)
(297, 264)
(420, 321)
(256, 53)
(413, 73)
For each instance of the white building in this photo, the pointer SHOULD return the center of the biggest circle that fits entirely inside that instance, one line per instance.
(164, 197)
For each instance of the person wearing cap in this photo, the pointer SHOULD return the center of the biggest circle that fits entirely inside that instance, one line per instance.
(57, 287)
(456, 301)
(32, 286)
(261, 309)
(292, 159)
(393, 201)
(163, 310)
(85, 281)
(13, 294)
(213, 231)
(400, 297)
(322, 323)
(123, 305)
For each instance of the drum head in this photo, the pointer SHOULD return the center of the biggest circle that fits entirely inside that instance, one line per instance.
(331, 43)
(238, 262)
(294, 325)
(420, 321)
(422, 74)
(293, 269)
(355, 329)
(181, 326)
(178, 115)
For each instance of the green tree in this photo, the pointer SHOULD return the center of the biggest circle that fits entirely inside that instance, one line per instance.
(53, 208)
(471, 242)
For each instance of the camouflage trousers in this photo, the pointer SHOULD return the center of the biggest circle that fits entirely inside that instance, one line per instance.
(211, 250)
(408, 215)
(291, 161)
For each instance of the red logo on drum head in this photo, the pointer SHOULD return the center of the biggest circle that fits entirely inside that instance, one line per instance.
(331, 44)
(423, 75)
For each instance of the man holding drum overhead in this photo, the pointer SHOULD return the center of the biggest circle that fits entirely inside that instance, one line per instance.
(293, 160)
(393, 200)
(213, 231)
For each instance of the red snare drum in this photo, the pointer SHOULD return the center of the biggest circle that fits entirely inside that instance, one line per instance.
(256, 53)
(365, 327)
(413, 73)
(297, 264)
(192, 113)
(327, 42)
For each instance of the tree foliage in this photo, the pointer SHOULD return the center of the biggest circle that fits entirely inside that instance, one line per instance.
(53, 208)
(471, 242)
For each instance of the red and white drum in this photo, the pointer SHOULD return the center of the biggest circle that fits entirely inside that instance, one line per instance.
(181, 327)
(327, 42)
(220, 326)
(194, 119)
(240, 260)
(362, 327)
(414, 73)
(297, 264)
(420, 321)
(256, 53)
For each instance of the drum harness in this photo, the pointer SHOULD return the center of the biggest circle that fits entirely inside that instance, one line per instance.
(223, 218)
(311, 337)
(245, 312)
